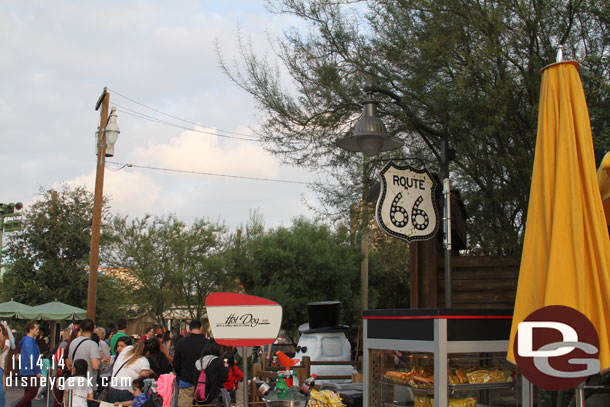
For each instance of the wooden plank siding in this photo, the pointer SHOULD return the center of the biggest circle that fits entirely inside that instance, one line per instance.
(476, 281)
(479, 282)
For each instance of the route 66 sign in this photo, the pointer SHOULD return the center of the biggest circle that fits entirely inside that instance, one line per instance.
(406, 207)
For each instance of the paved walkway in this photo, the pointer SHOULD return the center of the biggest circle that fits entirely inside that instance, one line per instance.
(14, 394)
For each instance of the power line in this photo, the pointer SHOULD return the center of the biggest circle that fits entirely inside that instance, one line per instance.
(128, 165)
(176, 117)
(135, 113)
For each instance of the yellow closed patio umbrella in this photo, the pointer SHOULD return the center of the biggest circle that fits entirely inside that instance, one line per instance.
(566, 252)
(603, 179)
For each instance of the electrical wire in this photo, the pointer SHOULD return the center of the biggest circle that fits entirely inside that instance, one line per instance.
(178, 118)
(144, 116)
(132, 112)
(128, 165)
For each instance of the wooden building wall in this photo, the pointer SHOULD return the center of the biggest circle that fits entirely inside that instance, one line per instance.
(480, 282)
(477, 281)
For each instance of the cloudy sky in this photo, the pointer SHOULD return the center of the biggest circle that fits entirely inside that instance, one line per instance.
(56, 57)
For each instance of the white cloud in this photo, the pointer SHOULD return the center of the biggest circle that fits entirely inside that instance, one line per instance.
(128, 192)
(55, 59)
(193, 151)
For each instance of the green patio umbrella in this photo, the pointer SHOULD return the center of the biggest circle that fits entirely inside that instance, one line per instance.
(11, 308)
(58, 311)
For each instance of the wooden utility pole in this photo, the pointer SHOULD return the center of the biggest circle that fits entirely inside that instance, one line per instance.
(98, 197)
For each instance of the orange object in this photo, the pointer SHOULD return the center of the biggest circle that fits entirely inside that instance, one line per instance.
(566, 250)
(285, 360)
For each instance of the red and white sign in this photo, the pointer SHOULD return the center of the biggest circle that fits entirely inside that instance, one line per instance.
(243, 320)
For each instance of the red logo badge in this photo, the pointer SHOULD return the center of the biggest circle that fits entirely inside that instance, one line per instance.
(557, 348)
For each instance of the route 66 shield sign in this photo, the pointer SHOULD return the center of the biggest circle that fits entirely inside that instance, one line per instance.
(406, 207)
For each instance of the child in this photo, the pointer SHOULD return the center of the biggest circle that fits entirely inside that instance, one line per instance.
(139, 399)
(81, 391)
(234, 374)
(46, 364)
(138, 392)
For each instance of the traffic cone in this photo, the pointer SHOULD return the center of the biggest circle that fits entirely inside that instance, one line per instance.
(285, 360)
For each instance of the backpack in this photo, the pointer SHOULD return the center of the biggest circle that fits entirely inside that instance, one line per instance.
(202, 391)
(66, 373)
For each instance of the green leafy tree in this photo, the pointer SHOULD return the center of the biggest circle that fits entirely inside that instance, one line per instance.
(469, 70)
(112, 300)
(50, 255)
(294, 265)
(389, 274)
(166, 263)
(203, 266)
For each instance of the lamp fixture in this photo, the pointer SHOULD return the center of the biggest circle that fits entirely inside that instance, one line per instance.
(112, 132)
(370, 135)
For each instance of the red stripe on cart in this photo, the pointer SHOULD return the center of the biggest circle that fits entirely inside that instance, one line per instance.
(442, 317)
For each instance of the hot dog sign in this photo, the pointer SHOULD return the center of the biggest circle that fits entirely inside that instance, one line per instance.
(243, 320)
(406, 207)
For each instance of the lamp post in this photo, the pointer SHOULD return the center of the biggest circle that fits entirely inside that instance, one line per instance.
(108, 133)
(370, 137)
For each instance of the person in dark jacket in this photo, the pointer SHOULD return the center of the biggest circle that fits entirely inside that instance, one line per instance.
(216, 370)
(186, 354)
(30, 365)
(157, 359)
(42, 340)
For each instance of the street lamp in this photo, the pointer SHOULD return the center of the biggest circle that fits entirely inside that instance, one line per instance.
(108, 132)
(111, 132)
(370, 137)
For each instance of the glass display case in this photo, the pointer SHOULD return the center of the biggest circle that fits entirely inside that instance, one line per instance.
(440, 357)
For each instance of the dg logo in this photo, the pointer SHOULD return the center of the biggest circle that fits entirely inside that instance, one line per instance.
(557, 348)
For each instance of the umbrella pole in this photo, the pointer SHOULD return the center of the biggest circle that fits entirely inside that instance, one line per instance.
(244, 360)
(579, 394)
(446, 214)
(53, 334)
(447, 221)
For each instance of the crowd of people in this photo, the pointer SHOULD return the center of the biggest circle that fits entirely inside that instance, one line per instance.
(90, 364)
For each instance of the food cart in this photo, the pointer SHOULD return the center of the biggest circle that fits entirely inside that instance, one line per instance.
(440, 357)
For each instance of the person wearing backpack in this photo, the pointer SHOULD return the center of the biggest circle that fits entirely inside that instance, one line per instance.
(85, 348)
(187, 351)
(213, 373)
